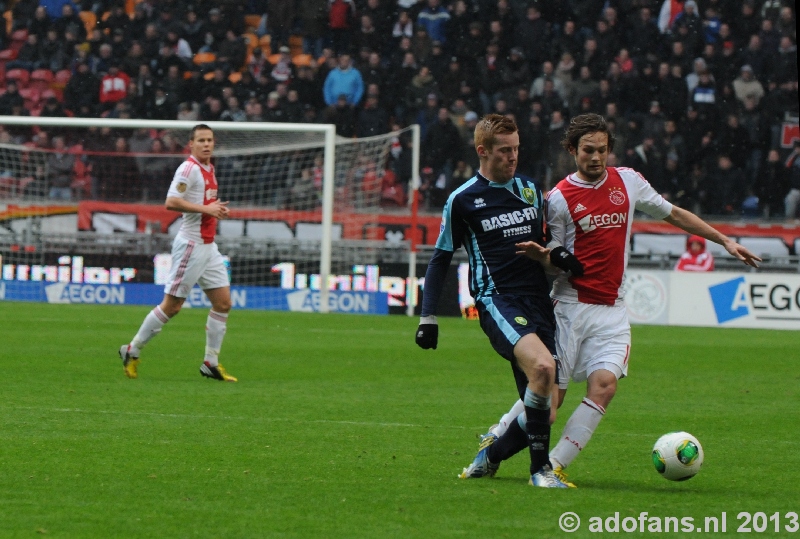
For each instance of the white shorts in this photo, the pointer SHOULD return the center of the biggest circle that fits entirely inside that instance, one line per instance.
(192, 263)
(591, 338)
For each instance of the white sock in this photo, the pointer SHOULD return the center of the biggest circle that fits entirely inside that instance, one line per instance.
(505, 421)
(577, 433)
(151, 327)
(216, 325)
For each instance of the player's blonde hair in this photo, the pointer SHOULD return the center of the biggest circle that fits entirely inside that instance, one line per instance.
(490, 126)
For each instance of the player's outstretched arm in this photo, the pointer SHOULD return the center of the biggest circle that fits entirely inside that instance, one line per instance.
(686, 220)
(551, 259)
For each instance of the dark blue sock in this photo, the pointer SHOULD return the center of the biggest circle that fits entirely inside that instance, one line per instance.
(509, 444)
(537, 410)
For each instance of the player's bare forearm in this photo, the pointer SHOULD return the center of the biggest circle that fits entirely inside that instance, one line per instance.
(689, 222)
(215, 209)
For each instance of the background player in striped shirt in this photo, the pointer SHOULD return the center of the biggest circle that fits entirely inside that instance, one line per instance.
(489, 214)
(589, 213)
(195, 258)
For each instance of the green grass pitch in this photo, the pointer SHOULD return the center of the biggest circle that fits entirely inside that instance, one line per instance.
(341, 427)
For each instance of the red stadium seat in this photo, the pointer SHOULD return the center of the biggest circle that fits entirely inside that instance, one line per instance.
(32, 97)
(61, 78)
(41, 79)
(7, 55)
(22, 76)
(18, 38)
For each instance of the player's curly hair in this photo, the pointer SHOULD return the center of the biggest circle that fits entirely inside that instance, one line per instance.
(492, 125)
(585, 124)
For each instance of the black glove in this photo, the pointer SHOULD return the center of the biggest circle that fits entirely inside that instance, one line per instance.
(428, 334)
(561, 258)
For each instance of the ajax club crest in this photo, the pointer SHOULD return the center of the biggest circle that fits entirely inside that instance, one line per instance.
(616, 196)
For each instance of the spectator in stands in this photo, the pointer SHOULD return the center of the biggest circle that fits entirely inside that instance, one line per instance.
(52, 52)
(727, 186)
(23, 13)
(59, 167)
(113, 87)
(433, 17)
(372, 118)
(367, 36)
(303, 195)
(159, 107)
(746, 85)
(156, 172)
(547, 72)
(69, 19)
(403, 26)
(340, 15)
(672, 93)
(166, 59)
(283, 69)
(688, 27)
(696, 258)
(421, 43)
(273, 112)
(216, 25)
(11, 98)
(531, 36)
(342, 114)
(787, 24)
(190, 112)
(346, 81)
(52, 109)
(82, 89)
(313, 16)
(648, 160)
(232, 52)
(40, 23)
(771, 185)
(29, 56)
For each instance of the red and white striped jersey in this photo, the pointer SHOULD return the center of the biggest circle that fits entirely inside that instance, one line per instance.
(196, 183)
(593, 221)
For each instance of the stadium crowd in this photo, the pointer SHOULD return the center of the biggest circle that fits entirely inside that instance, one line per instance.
(697, 92)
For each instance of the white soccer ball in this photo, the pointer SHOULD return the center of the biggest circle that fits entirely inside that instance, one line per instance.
(677, 456)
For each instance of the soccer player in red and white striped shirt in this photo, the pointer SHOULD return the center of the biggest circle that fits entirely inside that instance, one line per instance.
(195, 258)
(589, 213)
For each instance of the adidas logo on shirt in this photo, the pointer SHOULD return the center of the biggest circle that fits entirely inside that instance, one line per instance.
(580, 207)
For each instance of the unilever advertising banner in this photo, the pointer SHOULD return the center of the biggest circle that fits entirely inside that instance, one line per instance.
(242, 297)
(714, 299)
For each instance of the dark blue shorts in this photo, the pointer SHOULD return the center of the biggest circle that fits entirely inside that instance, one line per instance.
(506, 318)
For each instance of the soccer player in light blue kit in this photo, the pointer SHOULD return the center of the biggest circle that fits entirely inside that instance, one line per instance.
(489, 215)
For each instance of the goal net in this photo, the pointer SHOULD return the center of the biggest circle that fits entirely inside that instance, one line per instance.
(83, 203)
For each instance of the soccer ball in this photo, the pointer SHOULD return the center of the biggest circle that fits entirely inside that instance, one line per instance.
(677, 456)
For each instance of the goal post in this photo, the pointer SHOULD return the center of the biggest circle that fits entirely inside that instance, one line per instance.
(306, 205)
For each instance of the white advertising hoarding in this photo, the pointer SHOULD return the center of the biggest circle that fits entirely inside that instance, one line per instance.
(714, 299)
